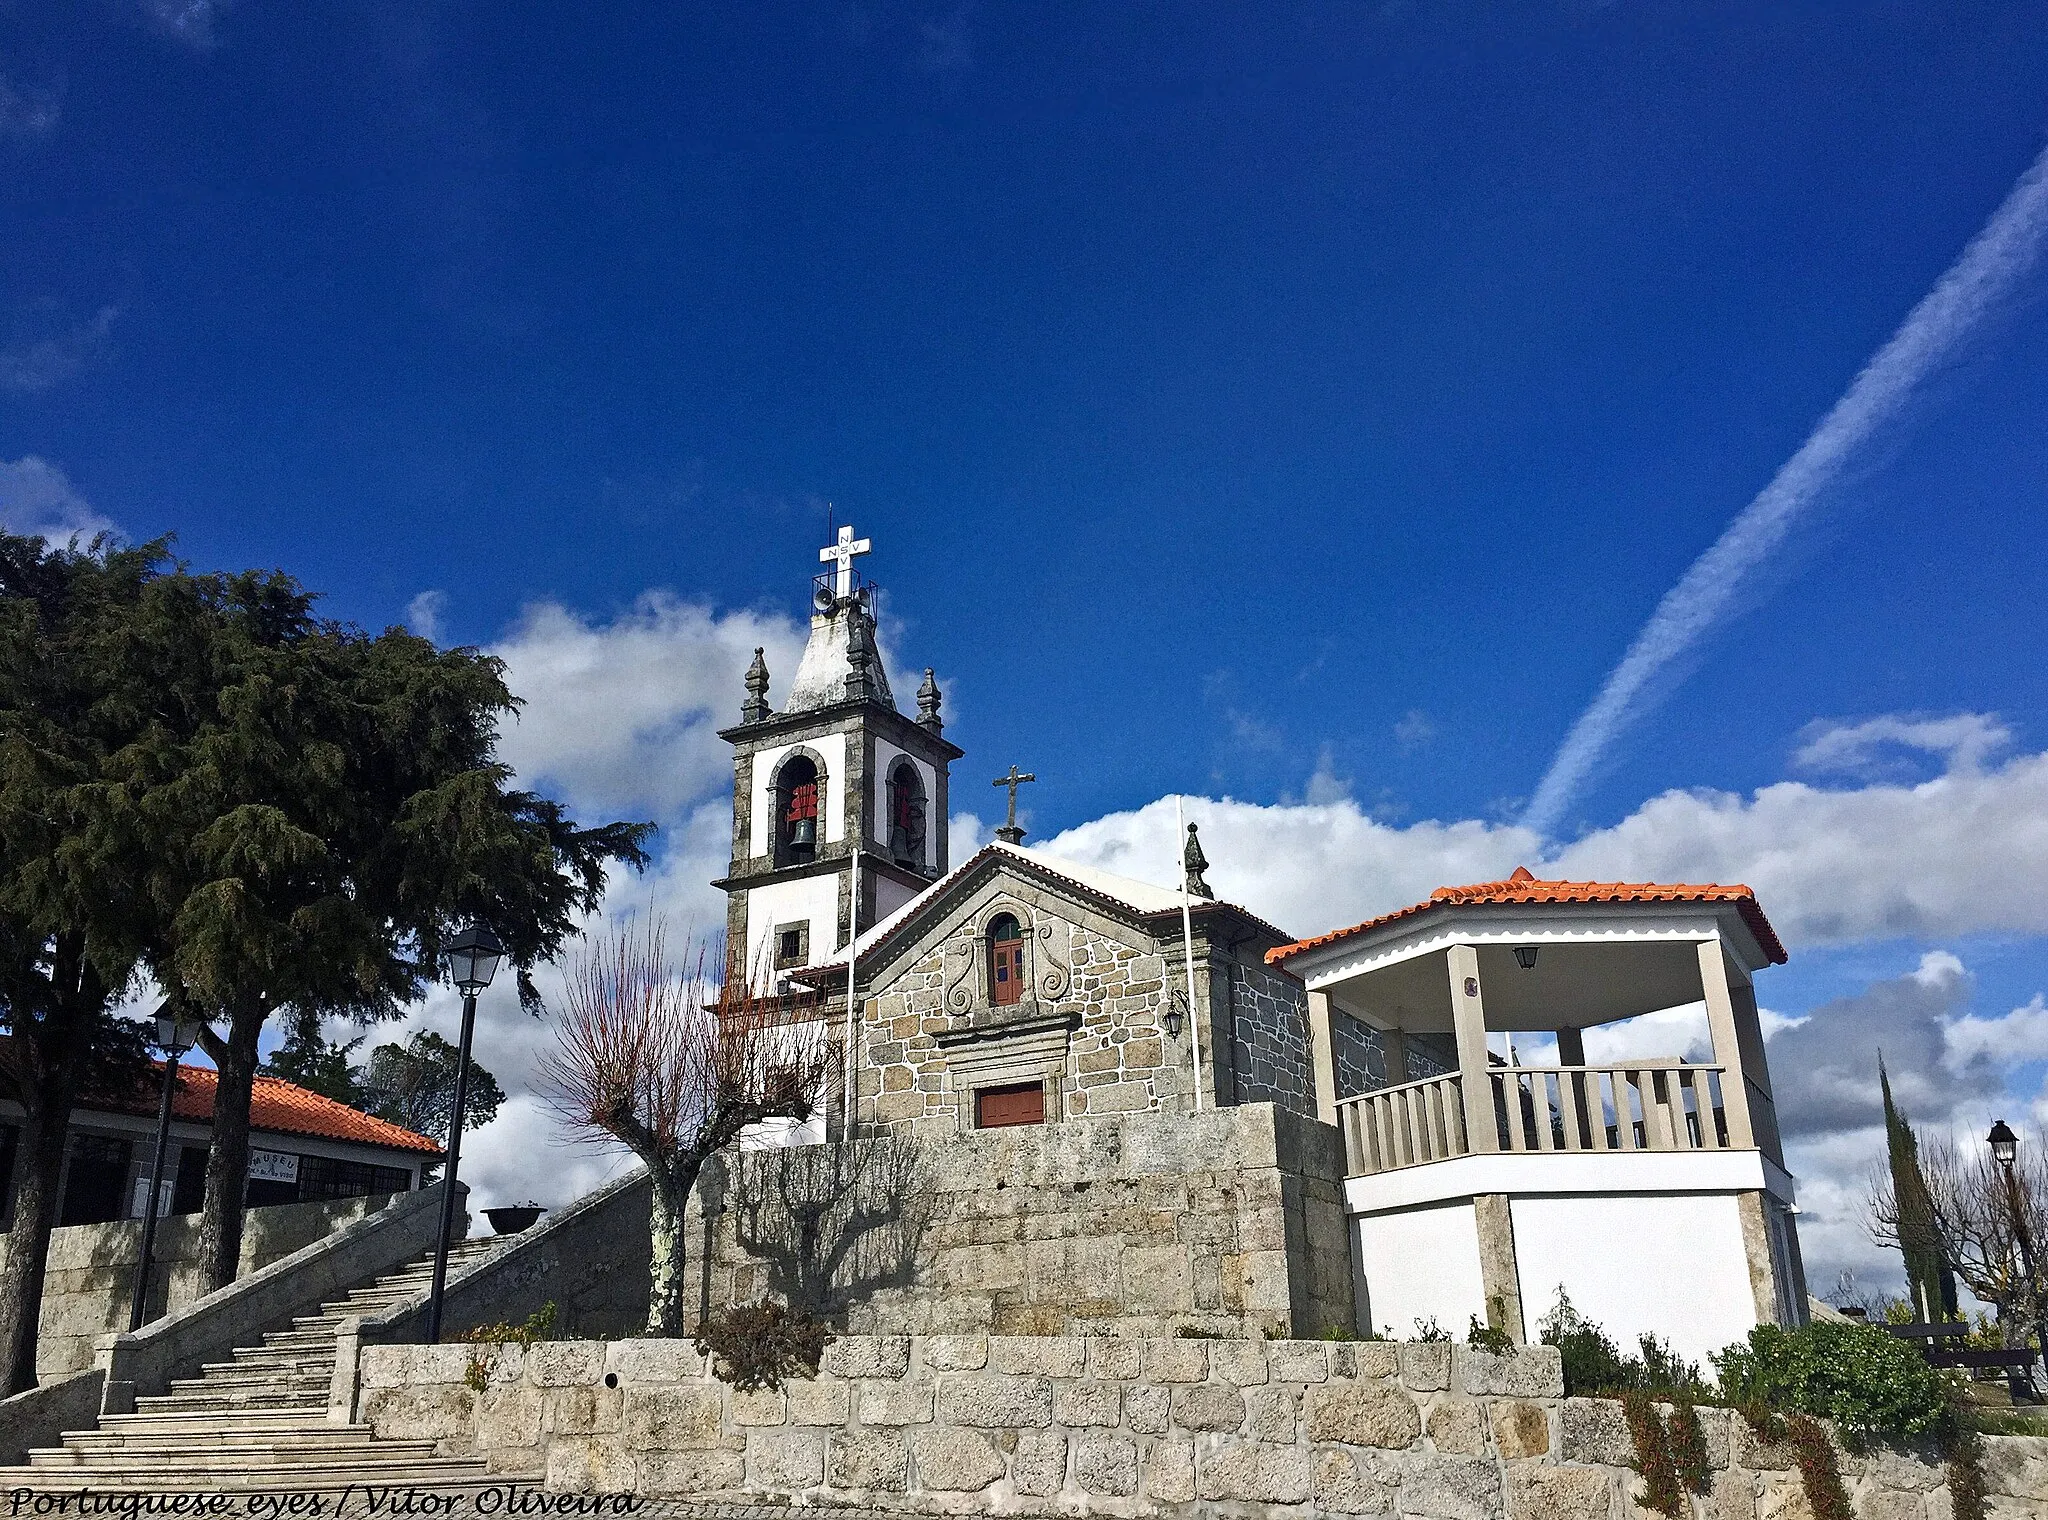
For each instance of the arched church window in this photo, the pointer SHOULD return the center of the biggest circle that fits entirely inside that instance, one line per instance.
(1005, 961)
(797, 786)
(906, 816)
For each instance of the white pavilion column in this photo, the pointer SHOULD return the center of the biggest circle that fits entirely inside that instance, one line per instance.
(1323, 1054)
(1728, 1044)
(1468, 1019)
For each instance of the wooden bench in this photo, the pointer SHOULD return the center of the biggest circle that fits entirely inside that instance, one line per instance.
(2018, 1363)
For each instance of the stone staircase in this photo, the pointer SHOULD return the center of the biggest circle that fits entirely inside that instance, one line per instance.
(259, 1420)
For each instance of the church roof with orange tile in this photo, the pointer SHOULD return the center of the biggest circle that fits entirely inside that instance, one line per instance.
(1523, 890)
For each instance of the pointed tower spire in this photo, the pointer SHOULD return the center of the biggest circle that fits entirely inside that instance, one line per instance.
(928, 703)
(755, 708)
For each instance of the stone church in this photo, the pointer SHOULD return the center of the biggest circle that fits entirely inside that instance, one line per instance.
(1159, 1113)
(1009, 990)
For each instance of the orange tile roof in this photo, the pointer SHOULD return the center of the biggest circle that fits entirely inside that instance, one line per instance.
(275, 1105)
(1522, 889)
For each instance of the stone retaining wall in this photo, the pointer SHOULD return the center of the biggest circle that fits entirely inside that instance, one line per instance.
(1229, 1221)
(975, 1424)
(90, 1271)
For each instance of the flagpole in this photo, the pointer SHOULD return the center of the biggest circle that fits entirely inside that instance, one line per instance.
(852, 1002)
(1187, 943)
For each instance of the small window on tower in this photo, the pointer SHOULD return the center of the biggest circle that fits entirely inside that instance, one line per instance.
(1005, 961)
(792, 945)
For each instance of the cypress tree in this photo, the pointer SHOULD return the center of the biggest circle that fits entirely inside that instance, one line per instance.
(1930, 1282)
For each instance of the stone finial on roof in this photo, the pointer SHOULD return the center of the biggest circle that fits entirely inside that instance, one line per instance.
(928, 703)
(1196, 863)
(755, 708)
(856, 670)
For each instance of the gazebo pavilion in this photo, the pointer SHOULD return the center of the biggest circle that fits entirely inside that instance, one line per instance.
(1652, 1190)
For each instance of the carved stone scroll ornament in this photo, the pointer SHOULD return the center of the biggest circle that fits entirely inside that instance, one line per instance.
(959, 974)
(1055, 958)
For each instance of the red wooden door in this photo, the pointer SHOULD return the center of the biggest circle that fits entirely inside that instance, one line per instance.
(1006, 971)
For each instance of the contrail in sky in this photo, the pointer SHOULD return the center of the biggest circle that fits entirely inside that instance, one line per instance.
(1997, 258)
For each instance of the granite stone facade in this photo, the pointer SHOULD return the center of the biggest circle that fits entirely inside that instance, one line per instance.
(1103, 986)
(995, 1425)
(1230, 1221)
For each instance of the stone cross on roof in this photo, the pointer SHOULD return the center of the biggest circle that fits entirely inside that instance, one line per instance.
(1009, 833)
(844, 551)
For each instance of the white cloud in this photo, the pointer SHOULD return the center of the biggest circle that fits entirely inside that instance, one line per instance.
(1963, 741)
(1956, 855)
(2012, 1039)
(424, 612)
(37, 500)
(36, 365)
(624, 715)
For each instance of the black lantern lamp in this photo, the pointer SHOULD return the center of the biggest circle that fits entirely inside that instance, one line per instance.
(1525, 957)
(1172, 1017)
(2005, 1149)
(472, 957)
(176, 1032)
(2005, 1145)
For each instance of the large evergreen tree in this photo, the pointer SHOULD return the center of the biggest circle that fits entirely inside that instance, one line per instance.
(76, 722)
(340, 811)
(1930, 1282)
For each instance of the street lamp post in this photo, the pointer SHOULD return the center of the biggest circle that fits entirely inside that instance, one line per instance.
(473, 957)
(174, 1036)
(2005, 1146)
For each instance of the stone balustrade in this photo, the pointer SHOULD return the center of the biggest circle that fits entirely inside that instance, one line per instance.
(978, 1424)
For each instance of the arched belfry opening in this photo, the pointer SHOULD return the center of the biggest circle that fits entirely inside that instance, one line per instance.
(906, 815)
(798, 793)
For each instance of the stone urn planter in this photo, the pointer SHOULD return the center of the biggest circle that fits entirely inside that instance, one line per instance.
(511, 1218)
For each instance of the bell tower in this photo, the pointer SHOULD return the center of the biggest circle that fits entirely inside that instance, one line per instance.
(839, 800)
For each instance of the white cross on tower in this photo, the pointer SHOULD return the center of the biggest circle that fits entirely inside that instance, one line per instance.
(844, 551)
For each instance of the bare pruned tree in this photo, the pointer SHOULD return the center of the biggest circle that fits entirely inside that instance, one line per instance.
(1973, 1213)
(834, 1223)
(673, 1067)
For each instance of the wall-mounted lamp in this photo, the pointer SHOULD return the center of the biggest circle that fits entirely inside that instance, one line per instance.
(1172, 1017)
(1525, 957)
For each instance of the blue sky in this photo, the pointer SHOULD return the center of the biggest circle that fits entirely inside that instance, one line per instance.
(1304, 404)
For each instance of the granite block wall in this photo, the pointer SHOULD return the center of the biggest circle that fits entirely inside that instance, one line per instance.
(1229, 1221)
(995, 1425)
(91, 1270)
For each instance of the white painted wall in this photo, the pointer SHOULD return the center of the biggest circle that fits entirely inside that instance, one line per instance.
(1421, 1263)
(889, 896)
(831, 806)
(886, 756)
(815, 898)
(1670, 1264)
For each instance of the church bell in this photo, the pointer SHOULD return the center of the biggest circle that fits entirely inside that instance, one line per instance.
(805, 834)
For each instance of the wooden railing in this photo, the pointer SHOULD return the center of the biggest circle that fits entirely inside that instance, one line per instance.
(1642, 1106)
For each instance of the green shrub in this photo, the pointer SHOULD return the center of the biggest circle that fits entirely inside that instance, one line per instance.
(1594, 1364)
(1873, 1385)
(758, 1345)
(1489, 1337)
